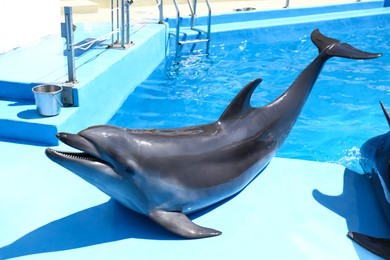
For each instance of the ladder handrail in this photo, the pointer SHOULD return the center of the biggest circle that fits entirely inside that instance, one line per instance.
(192, 7)
(208, 26)
(177, 25)
(177, 8)
(193, 11)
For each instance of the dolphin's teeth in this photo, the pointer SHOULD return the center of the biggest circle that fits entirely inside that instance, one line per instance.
(81, 156)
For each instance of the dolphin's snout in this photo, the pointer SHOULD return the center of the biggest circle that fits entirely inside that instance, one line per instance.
(66, 137)
(79, 142)
(61, 135)
(70, 139)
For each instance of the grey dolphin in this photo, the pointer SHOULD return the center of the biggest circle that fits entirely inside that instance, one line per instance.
(168, 173)
(375, 161)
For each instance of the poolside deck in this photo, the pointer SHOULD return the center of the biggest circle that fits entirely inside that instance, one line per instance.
(49, 213)
(293, 210)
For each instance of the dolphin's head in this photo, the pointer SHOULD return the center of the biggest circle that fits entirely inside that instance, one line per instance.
(375, 152)
(369, 153)
(104, 158)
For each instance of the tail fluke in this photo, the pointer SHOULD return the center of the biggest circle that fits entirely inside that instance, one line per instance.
(334, 47)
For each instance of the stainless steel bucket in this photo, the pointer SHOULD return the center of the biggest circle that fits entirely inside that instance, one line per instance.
(48, 99)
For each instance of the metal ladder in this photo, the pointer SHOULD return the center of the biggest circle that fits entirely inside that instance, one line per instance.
(199, 39)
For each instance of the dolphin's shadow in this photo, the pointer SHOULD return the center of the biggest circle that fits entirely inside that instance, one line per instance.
(104, 223)
(358, 205)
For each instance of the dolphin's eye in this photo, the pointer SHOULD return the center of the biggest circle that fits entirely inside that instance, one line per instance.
(388, 166)
(129, 170)
(381, 147)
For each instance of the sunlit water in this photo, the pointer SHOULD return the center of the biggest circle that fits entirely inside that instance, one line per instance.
(341, 113)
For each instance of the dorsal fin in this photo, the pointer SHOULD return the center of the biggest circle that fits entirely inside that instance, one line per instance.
(387, 115)
(241, 103)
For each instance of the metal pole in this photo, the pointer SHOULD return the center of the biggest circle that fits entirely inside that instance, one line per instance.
(208, 27)
(117, 20)
(112, 22)
(177, 27)
(128, 3)
(194, 6)
(70, 43)
(123, 23)
(192, 13)
(161, 11)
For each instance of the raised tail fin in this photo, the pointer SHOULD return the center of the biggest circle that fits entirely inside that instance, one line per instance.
(334, 47)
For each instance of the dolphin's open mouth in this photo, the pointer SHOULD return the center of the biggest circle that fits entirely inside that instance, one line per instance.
(86, 166)
(87, 152)
(75, 156)
(80, 157)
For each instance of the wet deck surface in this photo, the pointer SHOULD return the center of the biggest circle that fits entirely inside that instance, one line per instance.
(293, 210)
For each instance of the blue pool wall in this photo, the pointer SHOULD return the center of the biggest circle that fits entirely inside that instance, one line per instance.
(271, 26)
(271, 31)
(107, 78)
(278, 13)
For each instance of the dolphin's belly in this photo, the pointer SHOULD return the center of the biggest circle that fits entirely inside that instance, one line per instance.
(203, 198)
(190, 185)
(382, 193)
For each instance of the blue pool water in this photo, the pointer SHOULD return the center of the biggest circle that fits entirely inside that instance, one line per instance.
(341, 113)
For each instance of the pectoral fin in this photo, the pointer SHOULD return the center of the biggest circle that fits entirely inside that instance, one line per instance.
(379, 246)
(181, 225)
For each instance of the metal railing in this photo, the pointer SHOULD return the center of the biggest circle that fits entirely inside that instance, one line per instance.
(120, 33)
(120, 23)
(67, 32)
(206, 39)
(160, 5)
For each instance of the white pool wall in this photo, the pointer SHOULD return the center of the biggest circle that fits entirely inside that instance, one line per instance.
(25, 22)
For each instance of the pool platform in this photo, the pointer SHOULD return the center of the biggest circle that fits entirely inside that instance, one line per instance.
(294, 209)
